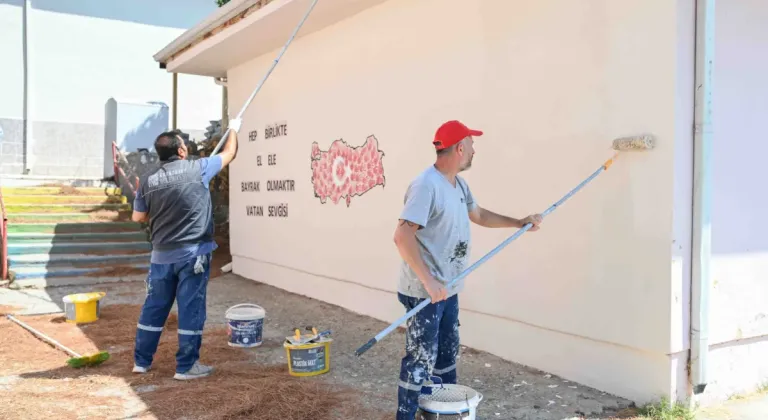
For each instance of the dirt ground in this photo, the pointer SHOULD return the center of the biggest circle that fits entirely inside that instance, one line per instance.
(35, 382)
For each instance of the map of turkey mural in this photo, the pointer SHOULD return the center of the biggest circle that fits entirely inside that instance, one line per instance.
(344, 171)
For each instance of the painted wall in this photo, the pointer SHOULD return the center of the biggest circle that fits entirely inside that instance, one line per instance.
(739, 317)
(82, 52)
(551, 84)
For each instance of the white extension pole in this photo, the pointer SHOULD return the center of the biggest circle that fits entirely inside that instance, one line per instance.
(274, 64)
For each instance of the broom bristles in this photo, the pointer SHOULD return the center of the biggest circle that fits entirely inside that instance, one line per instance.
(88, 360)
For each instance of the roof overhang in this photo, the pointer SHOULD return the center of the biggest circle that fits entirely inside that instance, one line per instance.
(245, 29)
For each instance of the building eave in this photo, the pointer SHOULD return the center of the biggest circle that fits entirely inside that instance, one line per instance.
(245, 29)
(218, 19)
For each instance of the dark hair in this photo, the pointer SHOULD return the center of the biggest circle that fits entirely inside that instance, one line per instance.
(445, 151)
(167, 145)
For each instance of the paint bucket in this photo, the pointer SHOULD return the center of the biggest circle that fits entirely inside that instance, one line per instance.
(82, 308)
(447, 402)
(309, 359)
(245, 323)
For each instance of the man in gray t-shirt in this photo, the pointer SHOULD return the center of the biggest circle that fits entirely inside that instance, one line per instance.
(433, 238)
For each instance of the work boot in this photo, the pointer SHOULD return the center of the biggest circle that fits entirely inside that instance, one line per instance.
(196, 371)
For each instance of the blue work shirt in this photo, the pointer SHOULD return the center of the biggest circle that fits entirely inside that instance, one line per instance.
(209, 167)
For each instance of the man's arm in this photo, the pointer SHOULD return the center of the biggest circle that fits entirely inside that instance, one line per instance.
(415, 214)
(140, 217)
(408, 247)
(229, 151)
(140, 211)
(489, 219)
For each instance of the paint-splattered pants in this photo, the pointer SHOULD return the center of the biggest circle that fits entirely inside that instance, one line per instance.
(431, 346)
(187, 283)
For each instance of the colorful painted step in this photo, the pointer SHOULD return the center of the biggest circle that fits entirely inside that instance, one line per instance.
(64, 208)
(58, 237)
(26, 273)
(76, 260)
(65, 236)
(62, 190)
(107, 216)
(83, 227)
(64, 199)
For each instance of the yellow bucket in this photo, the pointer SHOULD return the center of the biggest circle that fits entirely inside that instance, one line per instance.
(309, 359)
(82, 308)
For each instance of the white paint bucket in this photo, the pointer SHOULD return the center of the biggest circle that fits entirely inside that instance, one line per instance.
(448, 401)
(245, 323)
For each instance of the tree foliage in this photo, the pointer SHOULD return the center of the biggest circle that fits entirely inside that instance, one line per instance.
(222, 2)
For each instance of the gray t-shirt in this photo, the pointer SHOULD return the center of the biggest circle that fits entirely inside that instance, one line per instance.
(442, 210)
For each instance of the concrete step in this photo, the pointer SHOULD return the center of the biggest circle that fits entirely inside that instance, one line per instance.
(45, 273)
(15, 238)
(94, 191)
(64, 208)
(84, 227)
(43, 247)
(75, 260)
(62, 199)
(44, 283)
(96, 217)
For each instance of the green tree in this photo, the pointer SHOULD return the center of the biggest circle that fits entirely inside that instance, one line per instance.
(222, 2)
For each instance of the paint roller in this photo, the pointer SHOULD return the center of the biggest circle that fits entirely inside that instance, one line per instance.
(622, 144)
(264, 79)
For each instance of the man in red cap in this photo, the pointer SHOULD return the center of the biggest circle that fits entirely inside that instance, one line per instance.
(433, 238)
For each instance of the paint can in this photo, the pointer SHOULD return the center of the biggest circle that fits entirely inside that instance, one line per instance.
(83, 308)
(245, 323)
(440, 401)
(309, 359)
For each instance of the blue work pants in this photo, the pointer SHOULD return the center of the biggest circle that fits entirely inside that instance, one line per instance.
(431, 346)
(186, 282)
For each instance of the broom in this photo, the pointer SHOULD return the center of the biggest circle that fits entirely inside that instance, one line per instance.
(77, 360)
(637, 143)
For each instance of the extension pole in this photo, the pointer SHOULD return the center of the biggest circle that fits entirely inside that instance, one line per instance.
(365, 347)
(43, 336)
(264, 79)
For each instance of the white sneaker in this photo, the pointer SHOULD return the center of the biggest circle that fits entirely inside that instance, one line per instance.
(196, 371)
(139, 369)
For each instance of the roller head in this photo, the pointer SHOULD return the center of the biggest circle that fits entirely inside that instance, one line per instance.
(644, 142)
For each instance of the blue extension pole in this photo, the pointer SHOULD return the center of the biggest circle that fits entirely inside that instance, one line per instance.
(264, 79)
(487, 256)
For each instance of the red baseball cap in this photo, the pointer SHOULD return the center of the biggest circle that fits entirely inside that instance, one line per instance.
(452, 132)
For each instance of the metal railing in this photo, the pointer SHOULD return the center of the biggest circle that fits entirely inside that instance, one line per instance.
(3, 239)
(116, 155)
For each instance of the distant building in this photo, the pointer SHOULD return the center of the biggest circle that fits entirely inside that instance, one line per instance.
(61, 63)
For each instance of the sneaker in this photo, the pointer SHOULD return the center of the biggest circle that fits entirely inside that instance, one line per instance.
(139, 369)
(197, 371)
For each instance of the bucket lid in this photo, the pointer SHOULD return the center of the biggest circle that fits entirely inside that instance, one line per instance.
(245, 312)
(449, 399)
(83, 297)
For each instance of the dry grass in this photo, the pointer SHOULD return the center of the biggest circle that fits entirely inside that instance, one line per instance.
(239, 389)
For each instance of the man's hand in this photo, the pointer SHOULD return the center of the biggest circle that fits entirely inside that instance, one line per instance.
(234, 124)
(535, 220)
(229, 151)
(436, 290)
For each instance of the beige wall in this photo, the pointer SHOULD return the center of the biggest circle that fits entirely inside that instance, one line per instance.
(551, 83)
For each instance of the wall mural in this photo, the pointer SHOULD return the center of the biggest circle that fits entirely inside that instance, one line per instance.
(344, 171)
